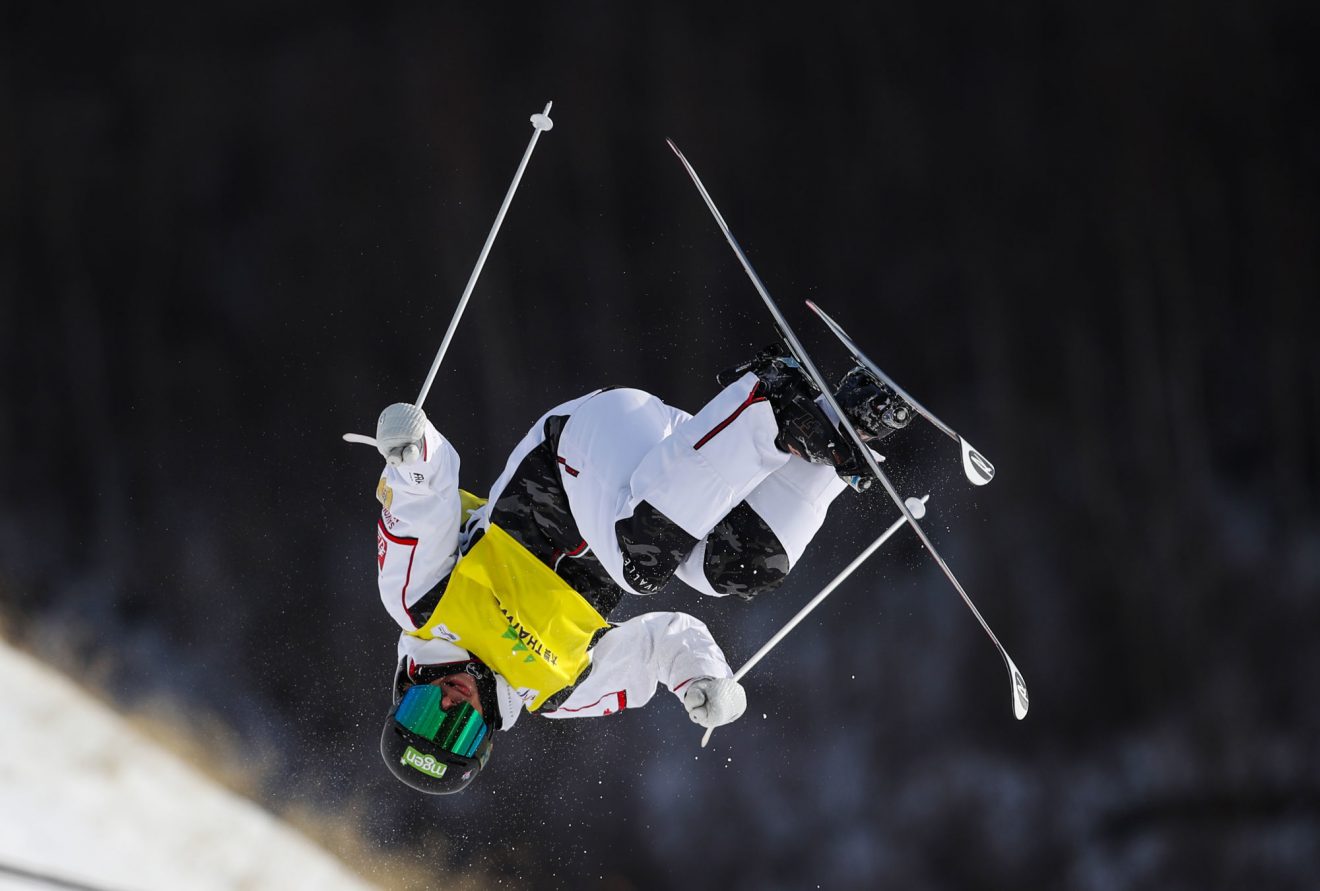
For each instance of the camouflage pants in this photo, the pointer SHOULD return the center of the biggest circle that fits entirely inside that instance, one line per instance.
(742, 555)
(534, 509)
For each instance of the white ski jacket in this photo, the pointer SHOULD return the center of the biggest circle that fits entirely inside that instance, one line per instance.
(419, 537)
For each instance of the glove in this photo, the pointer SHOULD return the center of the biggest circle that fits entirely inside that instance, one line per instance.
(399, 433)
(712, 702)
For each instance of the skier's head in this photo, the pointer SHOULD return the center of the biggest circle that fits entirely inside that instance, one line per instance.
(439, 733)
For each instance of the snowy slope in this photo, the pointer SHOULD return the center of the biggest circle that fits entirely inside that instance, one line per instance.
(85, 798)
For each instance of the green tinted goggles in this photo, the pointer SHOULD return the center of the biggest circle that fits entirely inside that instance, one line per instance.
(459, 731)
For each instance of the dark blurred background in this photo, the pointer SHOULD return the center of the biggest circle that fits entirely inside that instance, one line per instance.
(1085, 234)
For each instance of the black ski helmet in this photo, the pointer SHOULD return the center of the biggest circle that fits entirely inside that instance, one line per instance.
(431, 749)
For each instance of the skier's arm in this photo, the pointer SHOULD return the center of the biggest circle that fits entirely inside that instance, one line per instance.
(417, 533)
(632, 659)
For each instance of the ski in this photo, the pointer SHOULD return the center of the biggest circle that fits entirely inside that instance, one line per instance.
(1019, 686)
(978, 470)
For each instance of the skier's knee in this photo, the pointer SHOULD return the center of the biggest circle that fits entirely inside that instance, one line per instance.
(653, 546)
(743, 555)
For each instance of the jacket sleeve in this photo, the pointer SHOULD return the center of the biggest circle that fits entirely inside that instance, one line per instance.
(633, 658)
(417, 532)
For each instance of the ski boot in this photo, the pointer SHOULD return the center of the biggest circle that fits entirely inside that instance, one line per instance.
(805, 427)
(874, 409)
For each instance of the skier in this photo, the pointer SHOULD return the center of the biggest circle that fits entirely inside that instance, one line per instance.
(504, 601)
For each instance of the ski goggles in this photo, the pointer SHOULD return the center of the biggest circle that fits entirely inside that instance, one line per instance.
(459, 731)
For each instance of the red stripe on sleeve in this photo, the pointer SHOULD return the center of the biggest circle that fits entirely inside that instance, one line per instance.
(621, 695)
(407, 542)
(411, 544)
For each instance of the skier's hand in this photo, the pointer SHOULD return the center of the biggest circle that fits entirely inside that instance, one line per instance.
(399, 433)
(712, 702)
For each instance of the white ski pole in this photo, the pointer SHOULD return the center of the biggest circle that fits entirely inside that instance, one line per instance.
(918, 508)
(540, 123)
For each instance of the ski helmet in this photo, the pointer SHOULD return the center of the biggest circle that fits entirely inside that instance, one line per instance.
(436, 750)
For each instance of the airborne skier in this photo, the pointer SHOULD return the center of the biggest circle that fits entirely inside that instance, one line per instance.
(504, 602)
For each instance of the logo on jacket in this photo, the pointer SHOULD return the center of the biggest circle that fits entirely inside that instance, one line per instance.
(381, 547)
(443, 632)
(384, 494)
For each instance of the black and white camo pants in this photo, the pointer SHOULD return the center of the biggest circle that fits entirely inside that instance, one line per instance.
(742, 555)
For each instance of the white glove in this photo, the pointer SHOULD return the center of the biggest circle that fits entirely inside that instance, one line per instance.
(399, 433)
(712, 702)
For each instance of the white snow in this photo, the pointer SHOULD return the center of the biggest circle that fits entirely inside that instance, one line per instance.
(85, 798)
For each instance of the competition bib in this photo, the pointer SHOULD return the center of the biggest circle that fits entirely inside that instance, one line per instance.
(515, 614)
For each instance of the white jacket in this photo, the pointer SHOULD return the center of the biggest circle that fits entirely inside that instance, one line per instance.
(418, 540)
(628, 663)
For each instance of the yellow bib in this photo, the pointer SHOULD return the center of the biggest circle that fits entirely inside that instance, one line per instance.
(512, 612)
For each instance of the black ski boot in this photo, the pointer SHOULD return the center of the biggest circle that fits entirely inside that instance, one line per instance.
(805, 429)
(874, 409)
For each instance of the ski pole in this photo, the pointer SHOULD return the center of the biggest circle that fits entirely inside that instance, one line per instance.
(540, 122)
(918, 508)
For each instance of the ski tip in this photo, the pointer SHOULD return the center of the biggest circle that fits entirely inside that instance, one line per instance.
(669, 142)
(1021, 702)
(977, 468)
(821, 314)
